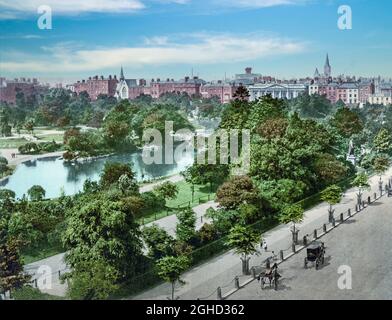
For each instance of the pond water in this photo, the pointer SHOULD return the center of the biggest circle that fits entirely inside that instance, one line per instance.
(55, 175)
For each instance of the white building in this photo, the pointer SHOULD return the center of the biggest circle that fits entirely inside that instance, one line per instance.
(380, 99)
(281, 91)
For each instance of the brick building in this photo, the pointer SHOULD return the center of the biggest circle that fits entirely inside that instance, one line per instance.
(224, 91)
(29, 87)
(188, 85)
(95, 86)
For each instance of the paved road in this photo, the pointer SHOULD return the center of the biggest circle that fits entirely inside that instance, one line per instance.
(364, 243)
(203, 280)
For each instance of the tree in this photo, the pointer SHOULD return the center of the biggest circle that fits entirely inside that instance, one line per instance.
(292, 214)
(332, 195)
(236, 191)
(112, 172)
(206, 174)
(380, 165)
(241, 93)
(170, 270)
(167, 190)
(347, 122)
(92, 280)
(264, 110)
(186, 226)
(244, 242)
(3, 165)
(29, 126)
(12, 275)
(128, 185)
(36, 193)
(328, 169)
(103, 230)
(382, 141)
(158, 242)
(361, 182)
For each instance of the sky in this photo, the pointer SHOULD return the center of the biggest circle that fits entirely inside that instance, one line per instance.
(214, 38)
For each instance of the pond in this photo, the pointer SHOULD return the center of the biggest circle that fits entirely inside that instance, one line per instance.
(55, 175)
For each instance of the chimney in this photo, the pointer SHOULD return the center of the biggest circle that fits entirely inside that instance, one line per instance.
(248, 70)
(102, 77)
(89, 78)
(110, 77)
(186, 79)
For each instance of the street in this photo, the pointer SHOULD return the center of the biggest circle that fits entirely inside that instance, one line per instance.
(363, 243)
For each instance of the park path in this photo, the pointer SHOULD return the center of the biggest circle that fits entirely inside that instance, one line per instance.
(220, 271)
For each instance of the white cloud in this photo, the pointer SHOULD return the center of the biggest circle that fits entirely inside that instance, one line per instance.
(72, 6)
(200, 49)
(257, 3)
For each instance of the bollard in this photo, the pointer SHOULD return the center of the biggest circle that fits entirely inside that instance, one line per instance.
(315, 234)
(375, 196)
(293, 247)
(305, 241)
(356, 208)
(324, 227)
(35, 283)
(369, 200)
(253, 271)
(59, 273)
(219, 293)
(237, 282)
(349, 212)
(333, 222)
(281, 255)
(201, 219)
(341, 218)
(363, 204)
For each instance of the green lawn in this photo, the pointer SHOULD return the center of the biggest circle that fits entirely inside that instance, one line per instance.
(12, 143)
(184, 199)
(30, 293)
(50, 137)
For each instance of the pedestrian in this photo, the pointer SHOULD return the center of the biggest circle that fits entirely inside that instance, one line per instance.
(264, 245)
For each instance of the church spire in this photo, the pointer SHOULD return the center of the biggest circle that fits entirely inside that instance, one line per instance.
(122, 74)
(327, 67)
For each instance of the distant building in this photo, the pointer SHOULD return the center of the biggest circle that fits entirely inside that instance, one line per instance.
(247, 78)
(281, 91)
(224, 91)
(327, 68)
(10, 88)
(96, 86)
(191, 86)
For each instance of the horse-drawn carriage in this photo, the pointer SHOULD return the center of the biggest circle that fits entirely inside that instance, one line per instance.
(315, 254)
(271, 275)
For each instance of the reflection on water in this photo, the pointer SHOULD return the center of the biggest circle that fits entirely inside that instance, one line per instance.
(54, 174)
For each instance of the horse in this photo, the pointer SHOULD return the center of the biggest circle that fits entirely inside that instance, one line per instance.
(272, 275)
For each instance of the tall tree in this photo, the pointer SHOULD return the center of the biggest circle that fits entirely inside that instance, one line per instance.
(332, 195)
(171, 268)
(244, 242)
